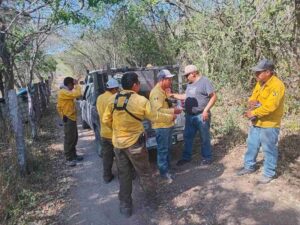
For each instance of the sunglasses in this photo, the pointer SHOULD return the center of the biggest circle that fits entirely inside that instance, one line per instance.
(187, 75)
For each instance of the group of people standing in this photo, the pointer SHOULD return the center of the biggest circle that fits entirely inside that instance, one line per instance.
(122, 111)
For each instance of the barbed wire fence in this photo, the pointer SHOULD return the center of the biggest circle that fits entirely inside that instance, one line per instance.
(20, 111)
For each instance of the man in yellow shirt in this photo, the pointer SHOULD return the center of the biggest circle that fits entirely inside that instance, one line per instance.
(265, 111)
(112, 87)
(66, 108)
(163, 130)
(124, 114)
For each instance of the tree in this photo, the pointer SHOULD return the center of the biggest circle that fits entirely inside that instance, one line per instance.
(24, 26)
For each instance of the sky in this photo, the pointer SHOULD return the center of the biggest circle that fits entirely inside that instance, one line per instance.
(102, 18)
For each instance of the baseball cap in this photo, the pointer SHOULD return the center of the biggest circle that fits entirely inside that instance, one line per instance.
(164, 74)
(112, 83)
(190, 69)
(263, 65)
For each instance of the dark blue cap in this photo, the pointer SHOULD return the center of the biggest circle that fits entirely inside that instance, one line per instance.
(263, 65)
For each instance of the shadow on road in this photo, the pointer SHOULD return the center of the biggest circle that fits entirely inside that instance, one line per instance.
(195, 197)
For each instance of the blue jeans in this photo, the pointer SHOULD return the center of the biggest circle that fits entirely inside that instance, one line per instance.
(267, 138)
(194, 123)
(164, 142)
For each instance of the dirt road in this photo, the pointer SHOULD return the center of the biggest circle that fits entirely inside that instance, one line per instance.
(199, 195)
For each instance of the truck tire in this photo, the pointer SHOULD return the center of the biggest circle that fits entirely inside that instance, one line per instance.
(85, 125)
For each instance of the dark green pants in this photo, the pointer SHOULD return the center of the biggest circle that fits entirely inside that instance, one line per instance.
(107, 157)
(71, 138)
(135, 156)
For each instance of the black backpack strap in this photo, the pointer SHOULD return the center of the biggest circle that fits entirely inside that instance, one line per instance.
(124, 106)
(135, 117)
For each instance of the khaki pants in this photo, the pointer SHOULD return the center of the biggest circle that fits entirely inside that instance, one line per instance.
(135, 156)
(71, 138)
(107, 157)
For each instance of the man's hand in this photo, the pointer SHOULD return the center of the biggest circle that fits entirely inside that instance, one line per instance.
(177, 110)
(252, 104)
(249, 114)
(205, 115)
(174, 117)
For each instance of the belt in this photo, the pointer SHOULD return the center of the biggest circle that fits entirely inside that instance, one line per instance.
(195, 114)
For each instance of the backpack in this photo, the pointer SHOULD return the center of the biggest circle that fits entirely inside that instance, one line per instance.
(124, 106)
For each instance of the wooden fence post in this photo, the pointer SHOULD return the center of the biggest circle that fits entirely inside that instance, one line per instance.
(31, 114)
(36, 102)
(43, 96)
(17, 125)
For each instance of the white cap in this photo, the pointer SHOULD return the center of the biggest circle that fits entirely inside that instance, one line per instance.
(190, 69)
(112, 83)
(164, 74)
(62, 86)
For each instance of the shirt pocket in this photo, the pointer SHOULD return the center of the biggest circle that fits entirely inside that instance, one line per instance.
(265, 93)
(135, 149)
(138, 147)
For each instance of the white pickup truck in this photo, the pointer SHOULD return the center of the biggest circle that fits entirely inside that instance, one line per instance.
(95, 85)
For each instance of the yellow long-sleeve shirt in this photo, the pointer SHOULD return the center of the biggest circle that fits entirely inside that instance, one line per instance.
(66, 102)
(126, 129)
(271, 97)
(102, 102)
(158, 103)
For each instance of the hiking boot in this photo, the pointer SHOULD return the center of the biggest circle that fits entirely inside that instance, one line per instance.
(168, 177)
(205, 162)
(79, 158)
(244, 171)
(264, 179)
(181, 162)
(126, 211)
(71, 163)
(109, 179)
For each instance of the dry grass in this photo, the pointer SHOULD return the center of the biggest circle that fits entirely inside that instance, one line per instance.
(229, 128)
(9, 178)
(289, 154)
(18, 195)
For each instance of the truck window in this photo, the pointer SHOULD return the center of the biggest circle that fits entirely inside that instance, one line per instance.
(147, 80)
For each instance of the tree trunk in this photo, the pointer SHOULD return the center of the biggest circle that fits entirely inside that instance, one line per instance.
(1, 84)
(8, 72)
(297, 31)
(17, 125)
(43, 95)
(6, 59)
